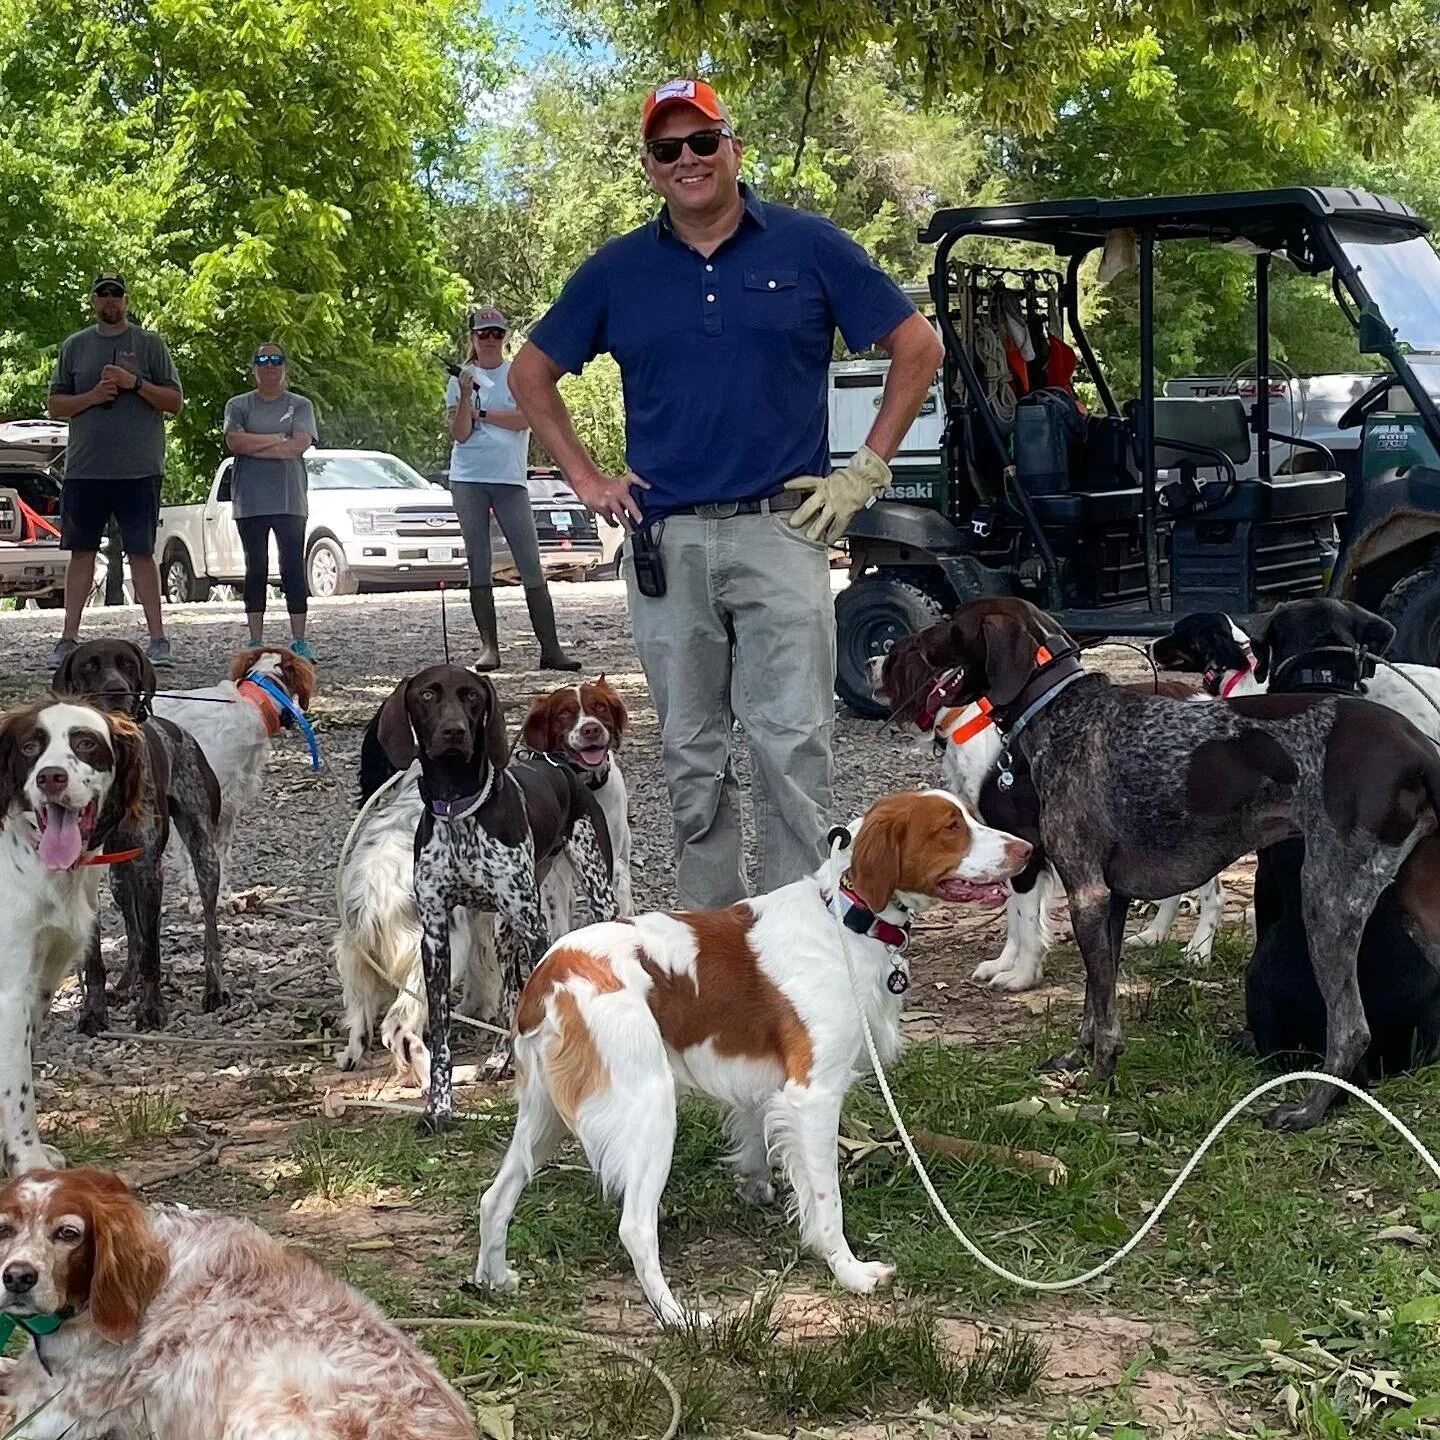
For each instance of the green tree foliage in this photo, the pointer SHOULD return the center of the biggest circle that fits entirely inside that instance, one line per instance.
(259, 170)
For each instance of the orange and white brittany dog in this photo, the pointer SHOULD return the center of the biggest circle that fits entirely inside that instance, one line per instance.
(583, 725)
(752, 1006)
(179, 1324)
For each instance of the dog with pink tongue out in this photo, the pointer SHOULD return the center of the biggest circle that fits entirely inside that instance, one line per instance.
(69, 774)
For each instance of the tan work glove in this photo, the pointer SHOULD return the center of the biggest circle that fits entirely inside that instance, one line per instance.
(839, 495)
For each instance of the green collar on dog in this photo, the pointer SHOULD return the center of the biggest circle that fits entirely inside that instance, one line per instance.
(34, 1325)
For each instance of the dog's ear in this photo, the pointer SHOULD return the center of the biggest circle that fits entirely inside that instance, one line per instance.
(126, 800)
(612, 710)
(244, 662)
(494, 736)
(299, 676)
(1009, 657)
(393, 729)
(1371, 632)
(875, 855)
(147, 682)
(63, 681)
(538, 731)
(13, 768)
(129, 1265)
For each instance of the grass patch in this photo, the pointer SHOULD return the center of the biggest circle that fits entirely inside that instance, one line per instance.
(145, 1115)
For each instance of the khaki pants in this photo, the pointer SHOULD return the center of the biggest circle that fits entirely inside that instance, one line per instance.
(747, 625)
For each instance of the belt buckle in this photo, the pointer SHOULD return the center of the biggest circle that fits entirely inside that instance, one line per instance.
(720, 510)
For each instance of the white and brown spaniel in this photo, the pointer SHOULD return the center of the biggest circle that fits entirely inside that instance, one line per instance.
(235, 736)
(69, 776)
(185, 1325)
(583, 726)
(752, 1006)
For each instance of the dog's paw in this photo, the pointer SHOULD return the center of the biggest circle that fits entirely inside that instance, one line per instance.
(150, 1013)
(497, 1066)
(349, 1058)
(94, 1017)
(756, 1190)
(1142, 940)
(1293, 1115)
(504, 1281)
(677, 1317)
(987, 970)
(862, 1276)
(1018, 978)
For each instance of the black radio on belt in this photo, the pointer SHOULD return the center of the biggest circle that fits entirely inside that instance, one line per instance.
(649, 567)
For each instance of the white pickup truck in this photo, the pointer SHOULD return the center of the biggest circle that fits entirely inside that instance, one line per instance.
(374, 524)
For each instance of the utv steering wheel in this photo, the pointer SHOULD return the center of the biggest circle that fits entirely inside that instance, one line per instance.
(1361, 407)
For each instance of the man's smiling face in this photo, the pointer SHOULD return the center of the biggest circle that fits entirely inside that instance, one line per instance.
(694, 186)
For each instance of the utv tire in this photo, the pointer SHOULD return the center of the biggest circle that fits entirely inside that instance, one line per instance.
(1413, 608)
(870, 616)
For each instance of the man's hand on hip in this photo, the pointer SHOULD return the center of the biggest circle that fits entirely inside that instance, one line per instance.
(839, 495)
(611, 495)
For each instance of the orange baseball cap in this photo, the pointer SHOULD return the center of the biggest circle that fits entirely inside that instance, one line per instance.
(682, 92)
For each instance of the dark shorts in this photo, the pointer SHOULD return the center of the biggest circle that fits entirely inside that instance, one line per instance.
(87, 505)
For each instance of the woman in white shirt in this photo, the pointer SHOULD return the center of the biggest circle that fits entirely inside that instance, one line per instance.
(488, 473)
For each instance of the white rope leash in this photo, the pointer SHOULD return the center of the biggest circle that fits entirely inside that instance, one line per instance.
(1150, 1220)
(406, 989)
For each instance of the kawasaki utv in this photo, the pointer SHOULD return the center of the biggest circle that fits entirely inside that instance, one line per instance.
(1120, 518)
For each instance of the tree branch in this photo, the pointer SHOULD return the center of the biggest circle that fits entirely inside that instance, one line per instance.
(809, 90)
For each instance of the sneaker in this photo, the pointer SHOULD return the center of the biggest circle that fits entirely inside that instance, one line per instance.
(64, 647)
(158, 652)
(301, 647)
(255, 642)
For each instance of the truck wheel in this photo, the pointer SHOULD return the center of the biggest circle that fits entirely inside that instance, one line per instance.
(326, 570)
(1413, 608)
(179, 582)
(870, 616)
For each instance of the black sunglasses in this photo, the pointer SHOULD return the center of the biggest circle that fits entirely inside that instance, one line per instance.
(109, 292)
(269, 359)
(703, 143)
(489, 334)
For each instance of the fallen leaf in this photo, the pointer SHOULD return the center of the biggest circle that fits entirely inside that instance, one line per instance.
(1404, 1235)
(496, 1421)
(332, 1104)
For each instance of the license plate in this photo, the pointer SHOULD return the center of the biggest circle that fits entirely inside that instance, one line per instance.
(560, 519)
(443, 553)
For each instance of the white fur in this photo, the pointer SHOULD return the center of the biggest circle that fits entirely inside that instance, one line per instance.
(45, 924)
(627, 1125)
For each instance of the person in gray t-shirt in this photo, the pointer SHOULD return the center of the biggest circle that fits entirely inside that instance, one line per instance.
(115, 383)
(268, 430)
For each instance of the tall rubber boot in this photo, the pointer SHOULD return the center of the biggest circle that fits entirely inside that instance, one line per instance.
(482, 607)
(542, 618)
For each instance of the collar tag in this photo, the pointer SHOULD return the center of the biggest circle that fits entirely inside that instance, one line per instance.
(898, 980)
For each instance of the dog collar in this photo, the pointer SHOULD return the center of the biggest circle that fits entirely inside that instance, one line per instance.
(595, 777)
(1220, 683)
(34, 1326)
(277, 705)
(937, 698)
(962, 734)
(860, 919)
(466, 805)
(115, 857)
(1330, 669)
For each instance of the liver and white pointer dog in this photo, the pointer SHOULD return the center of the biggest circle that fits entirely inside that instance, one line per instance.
(1143, 797)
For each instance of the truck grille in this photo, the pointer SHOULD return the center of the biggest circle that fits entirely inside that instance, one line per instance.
(436, 523)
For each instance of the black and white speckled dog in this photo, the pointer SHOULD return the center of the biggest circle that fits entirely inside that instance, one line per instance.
(486, 837)
(178, 786)
(1141, 797)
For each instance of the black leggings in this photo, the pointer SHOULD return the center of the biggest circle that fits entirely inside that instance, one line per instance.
(290, 542)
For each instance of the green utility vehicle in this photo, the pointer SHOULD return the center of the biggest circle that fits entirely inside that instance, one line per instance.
(1120, 518)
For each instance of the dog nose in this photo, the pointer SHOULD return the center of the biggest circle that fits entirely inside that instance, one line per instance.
(20, 1279)
(1017, 852)
(52, 780)
(592, 732)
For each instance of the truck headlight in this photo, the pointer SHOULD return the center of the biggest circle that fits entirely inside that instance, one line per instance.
(374, 522)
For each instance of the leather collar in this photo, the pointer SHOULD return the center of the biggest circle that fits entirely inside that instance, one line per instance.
(1055, 671)
(1328, 669)
(860, 919)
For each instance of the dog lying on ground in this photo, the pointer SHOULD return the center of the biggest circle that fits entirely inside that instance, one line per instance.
(1320, 645)
(70, 777)
(1141, 796)
(234, 722)
(970, 749)
(178, 786)
(753, 1006)
(487, 836)
(181, 1324)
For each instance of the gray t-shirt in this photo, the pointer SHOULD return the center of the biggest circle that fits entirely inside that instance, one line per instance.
(262, 486)
(123, 439)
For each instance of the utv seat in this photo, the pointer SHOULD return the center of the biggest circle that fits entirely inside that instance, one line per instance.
(1213, 433)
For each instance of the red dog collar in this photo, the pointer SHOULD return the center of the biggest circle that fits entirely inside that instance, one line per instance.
(263, 703)
(115, 857)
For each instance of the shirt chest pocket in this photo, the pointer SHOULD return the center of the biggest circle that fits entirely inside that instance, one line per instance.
(770, 299)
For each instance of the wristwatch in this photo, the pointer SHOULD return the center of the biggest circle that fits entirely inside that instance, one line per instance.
(139, 380)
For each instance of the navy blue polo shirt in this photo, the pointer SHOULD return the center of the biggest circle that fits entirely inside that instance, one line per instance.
(725, 361)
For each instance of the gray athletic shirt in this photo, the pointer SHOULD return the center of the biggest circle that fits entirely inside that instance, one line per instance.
(262, 486)
(123, 439)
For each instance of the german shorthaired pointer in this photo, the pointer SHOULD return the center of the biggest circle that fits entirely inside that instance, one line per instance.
(1328, 646)
(178, 786)
(1140, 796)
(487, 835)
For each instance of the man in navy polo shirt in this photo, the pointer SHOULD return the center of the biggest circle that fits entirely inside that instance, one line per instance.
(721, 313)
